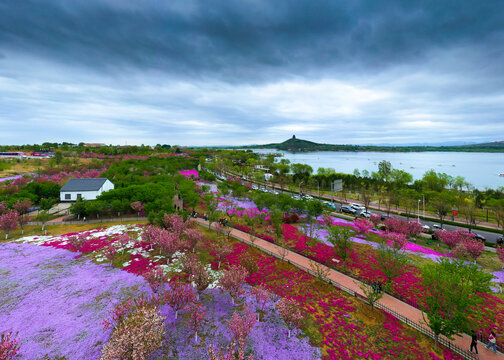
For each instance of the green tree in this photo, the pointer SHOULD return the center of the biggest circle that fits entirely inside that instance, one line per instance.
(43, 217)
(442, 202)
(78, 208)
(211, 204)
(340, 236)
(451, 296)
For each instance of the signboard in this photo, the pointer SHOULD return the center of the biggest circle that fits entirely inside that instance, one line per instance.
(338, 185)
(455, 213)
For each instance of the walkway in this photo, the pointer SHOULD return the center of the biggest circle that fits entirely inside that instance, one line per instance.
(349, 284)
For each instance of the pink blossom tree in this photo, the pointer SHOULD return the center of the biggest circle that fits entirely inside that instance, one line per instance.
(201, 278)
(363, 226)
(474, 248)
(241, 326)
(175, 224)
(8, 346)
(196, 318)
(178, 296)
(155, 277)
(137, 206)
(291, 312)
(375, 219)
(327, 220)
(191, 238)
(3, 207)
(9, 222)
(500, 253)
(232, 280)
(168, 243)
(189, 262)
(262, 296)
(22, 221)
(22, 206)
(137, 334)
(109, 252)
(78, 240)
(221, 250)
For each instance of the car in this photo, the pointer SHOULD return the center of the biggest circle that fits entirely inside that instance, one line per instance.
(500, 240)
(356, 206)
(479, 237)
(308, 197)
(425, 228)
(347, 209)
(436, 226)
(365, 214)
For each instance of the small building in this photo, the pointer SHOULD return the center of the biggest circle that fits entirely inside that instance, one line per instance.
(87, 189)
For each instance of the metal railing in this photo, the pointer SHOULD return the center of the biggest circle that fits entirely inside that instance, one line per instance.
(424, 330)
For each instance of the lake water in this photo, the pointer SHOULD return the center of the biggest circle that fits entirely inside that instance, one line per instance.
(480, 169)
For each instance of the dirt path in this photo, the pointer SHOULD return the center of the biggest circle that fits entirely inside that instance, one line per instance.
(350, 285)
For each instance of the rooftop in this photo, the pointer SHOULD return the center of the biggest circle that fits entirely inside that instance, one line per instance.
(84, 184)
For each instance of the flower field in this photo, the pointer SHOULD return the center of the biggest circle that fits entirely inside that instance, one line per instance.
(48, 270)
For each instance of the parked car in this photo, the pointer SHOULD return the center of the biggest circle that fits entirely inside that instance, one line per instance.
(349, 210)
(357, 207)
(308, 197)
(500, 240)
(436, 226)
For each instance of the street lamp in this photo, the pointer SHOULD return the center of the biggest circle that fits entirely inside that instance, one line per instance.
(418, 217)
(299, 189)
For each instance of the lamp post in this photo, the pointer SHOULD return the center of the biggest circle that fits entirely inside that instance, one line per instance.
(418, 216)
(299, 188)
(423, 201)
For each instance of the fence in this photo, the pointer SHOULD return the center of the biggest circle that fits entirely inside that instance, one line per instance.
(441, 339)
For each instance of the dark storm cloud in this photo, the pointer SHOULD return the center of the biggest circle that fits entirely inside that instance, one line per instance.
(246, 40)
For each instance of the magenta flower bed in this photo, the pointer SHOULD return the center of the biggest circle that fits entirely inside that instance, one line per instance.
(190, 173)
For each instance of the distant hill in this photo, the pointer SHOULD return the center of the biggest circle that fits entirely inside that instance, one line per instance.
(298, 145)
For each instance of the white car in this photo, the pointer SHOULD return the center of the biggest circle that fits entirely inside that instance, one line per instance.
(308, 197)
(365, 214)
(425, 227)
(436, 226)
(357, 206)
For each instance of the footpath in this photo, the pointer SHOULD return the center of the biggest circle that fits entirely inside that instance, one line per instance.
(404, 312)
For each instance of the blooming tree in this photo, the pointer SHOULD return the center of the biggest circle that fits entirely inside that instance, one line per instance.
(8, 346)
(189, 262)
(221, 250)
(178, 296)
(262, 296)
(22, 221)
(291, 312)
(168, 243)
(202, 278)
(327, 220)
(175, 224)
(137, 334)
(500, 253)
(3, 207)
(375, 219)
(191, 238)
(474, 248)
(137, 206)
(196, 317)
(78, 240)
(232, 280)
(363, 226)
(241, 326)
(9, 222)
(155, 277)
(109, 252)
(22, 206)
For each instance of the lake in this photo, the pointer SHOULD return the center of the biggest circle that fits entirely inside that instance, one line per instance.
(480, 169)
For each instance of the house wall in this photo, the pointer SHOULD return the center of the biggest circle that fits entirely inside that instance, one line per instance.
(86, 195)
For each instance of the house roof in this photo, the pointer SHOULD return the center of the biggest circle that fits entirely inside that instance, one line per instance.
(83, 184)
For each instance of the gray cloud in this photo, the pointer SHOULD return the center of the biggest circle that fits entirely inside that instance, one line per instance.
(251, 71)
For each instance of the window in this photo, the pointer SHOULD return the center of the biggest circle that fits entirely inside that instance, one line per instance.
(79, 196)
(68, 196)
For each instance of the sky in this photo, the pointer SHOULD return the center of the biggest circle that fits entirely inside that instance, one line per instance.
(239, 72)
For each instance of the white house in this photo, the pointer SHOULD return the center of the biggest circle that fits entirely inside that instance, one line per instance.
(87, 189)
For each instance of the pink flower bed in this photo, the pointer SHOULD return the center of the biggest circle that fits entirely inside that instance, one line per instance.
(190, 173)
